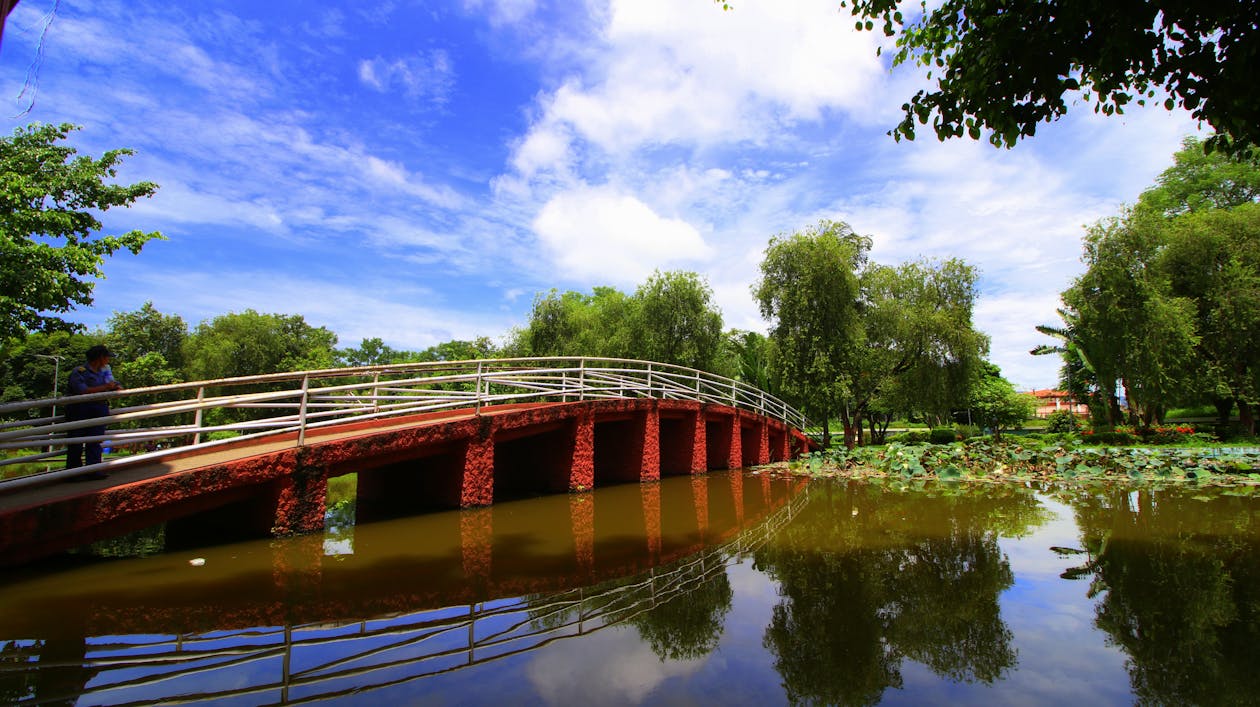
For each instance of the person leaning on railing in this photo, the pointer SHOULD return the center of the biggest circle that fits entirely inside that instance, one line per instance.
(93, 377)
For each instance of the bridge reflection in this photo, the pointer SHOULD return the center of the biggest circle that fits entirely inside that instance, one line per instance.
(392, 602)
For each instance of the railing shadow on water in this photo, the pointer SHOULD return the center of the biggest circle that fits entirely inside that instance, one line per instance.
(385, 651)
(162, 421)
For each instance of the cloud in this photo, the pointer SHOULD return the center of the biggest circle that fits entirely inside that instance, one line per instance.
(502, 12)
(601, 234)
(666, 73)
(429, 76)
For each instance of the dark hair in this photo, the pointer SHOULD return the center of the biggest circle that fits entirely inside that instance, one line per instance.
(98, 351)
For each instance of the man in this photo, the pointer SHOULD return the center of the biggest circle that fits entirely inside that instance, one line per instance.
(94, 377)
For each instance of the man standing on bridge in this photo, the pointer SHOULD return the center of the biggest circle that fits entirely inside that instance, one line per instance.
(94, 377)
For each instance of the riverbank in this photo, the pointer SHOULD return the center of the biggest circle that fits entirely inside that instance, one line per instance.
(1005, 462)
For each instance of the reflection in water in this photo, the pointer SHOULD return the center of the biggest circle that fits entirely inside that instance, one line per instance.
(869, 579)
(1178, 588)
(393, 603)
(720, 588)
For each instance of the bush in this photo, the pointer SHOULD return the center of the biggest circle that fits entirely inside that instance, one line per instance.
(911, 437)
(1167, 435)
(968, 431)
(942, 435)
(1062, 422)
(1109, 437)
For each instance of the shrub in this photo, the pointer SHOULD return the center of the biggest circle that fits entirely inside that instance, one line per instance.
(943, 435)
(968, 431)
(911, 437)
(1113, 437)
(1062, 422)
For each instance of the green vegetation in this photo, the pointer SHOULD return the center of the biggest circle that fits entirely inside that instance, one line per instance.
(1168, 309)
(985, 459)
(49, 248)
(867, 342)
(1002, 69)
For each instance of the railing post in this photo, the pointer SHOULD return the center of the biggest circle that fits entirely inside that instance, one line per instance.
(301, 440)
(582, 379)
(376, 392)
(697, 386)
(479, 365)
(651, 390)
(201, 396)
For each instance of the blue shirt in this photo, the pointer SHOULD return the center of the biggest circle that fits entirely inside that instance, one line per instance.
(82, 378)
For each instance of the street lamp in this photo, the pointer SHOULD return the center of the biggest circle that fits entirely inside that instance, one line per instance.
(56, 377)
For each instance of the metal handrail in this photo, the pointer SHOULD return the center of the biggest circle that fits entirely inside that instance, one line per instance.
(184, 414)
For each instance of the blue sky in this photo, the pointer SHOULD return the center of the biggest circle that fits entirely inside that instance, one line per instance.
(417, 171)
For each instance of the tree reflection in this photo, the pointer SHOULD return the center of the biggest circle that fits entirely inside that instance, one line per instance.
(1179, 591)
(689, 625)
(870, 578)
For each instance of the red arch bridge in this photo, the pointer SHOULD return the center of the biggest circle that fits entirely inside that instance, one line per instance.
(257, 452)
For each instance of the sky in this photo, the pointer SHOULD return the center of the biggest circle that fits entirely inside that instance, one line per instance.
(418, 171)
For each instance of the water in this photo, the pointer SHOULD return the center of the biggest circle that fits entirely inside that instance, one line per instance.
(727, 588)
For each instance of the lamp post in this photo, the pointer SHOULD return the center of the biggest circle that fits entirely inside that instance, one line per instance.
(56, 378)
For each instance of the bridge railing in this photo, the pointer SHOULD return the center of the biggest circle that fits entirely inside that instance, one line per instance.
(170, 419)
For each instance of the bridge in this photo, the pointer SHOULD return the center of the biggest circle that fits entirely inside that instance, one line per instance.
(255, 453)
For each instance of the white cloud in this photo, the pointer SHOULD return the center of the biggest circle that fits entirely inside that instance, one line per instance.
(689, 74)
(429, 76)
(502, 12)
(600, 234)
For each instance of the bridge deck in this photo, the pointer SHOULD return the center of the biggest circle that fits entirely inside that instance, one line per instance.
(206, 457)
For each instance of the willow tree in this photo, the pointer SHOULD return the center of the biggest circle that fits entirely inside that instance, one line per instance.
(810, 290)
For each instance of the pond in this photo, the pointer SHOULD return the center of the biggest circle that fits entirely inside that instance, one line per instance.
(733, 588)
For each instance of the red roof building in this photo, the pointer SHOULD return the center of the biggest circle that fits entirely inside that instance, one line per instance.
(1049, 401)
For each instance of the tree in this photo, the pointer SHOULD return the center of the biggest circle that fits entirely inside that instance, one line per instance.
(149, 346)
(1123, 299)
(370, 352)
(995, 404)
(809, 289)
(1212, 259)
(49, 248)
(1004, 67)
(1199, 181)
(922, 349)
(249, 343)
(676, 321)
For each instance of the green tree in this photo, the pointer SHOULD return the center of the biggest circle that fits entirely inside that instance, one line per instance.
(1002, 68)
(810, 291)
(576, 324)
(370, 352)
(995, 404)
(922, 350)
(459, 350)
(676, 321)
(1212, 259)
(49, 205)
(249, 343)
(1123, 299)
(749, 355)
(1200, 181)
(28, 364)
(149, 346)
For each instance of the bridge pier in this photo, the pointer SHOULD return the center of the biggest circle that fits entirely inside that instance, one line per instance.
(300, 498)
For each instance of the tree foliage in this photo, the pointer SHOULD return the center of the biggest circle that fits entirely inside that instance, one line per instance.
(855, 339)
(1167, 307)
(810, 291)
(50, 250)
(1002, 68)
(249, 343)
(995, 404)
(670, 318)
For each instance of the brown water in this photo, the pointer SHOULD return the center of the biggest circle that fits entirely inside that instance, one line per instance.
(728, 588)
